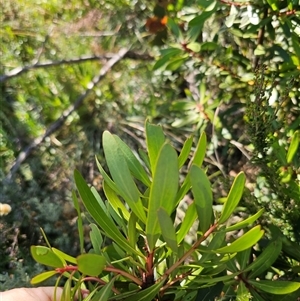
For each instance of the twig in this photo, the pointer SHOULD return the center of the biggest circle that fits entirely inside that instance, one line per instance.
(20, 70)
(61, 120)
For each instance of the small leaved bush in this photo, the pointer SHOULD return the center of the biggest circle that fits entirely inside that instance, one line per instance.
(138, 253)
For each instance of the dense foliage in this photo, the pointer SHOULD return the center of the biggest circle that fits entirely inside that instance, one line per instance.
(72, 69)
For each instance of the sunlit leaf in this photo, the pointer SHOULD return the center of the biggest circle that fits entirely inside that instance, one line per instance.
(185, 151)
(248, 221)
(275, 287)
(64, 256)
(42, 277)
(79, 221)
(200, 151)
(244, 242)
(233, 197)
(294, 145)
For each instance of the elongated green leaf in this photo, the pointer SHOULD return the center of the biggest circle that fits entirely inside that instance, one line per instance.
(91, 264)
(64, 256)
(265, 259)
(121, 175)
(46, 256)
(155, 139)
(167, 229)
(98, 214)
(105, 292)
(66, 293)
(243, 258)
(248, 221)
(115, 202)
(96, 239)
(202, 197)
(244, 242)
(293, 147)
(42, 277)
(233, 197)
(163, 190)
(216, 279)
(146, 294)
(276, 287)
(79, 221)
(133, 163)
(184, 154)
(256, 296)
(188, 221)
(200, 151)
(132, 233)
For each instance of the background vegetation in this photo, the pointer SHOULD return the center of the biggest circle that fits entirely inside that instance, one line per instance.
(231, 69)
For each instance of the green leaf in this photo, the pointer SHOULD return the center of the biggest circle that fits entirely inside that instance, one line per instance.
(275, 287)
(194, 46)
(121, 175)
(242, 292)
(248, 221)
(203, 198)
(293, 147)
(42, 277)
(167, 229)
(91, 264)
(200, 151)
(115, 201)
(46, 256)
(79, 221)
(146, 294)
(171, 53)
(243, 258)
(174, 28)
(155, 139)
(96, 238)
(265, 259)
(98, 214)
(64, 256)
(105, 292)
(244, 242)
(273, 4)
(233, 197)
(133, 163)
(66, 293)
(185, 151)
(132, 233)
(176, 63)
(163, 190)
(199, 20)
(188, 221)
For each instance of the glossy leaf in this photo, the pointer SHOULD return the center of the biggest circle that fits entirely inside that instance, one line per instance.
(233, 197)
(248, 221)
(275, 287)
(203, 198)
(155, 139)
(46, 256)
(66, 293)
(163, 190)
(244, 242)
(42, 277)
(98, 214)
(121, 175)
(167, 229)
(91, 264)
(265, 259)
(184, 154)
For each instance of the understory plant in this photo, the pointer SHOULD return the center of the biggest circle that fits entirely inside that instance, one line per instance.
(138, 251)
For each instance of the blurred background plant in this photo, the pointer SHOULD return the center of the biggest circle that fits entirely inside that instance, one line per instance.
(231, 69)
